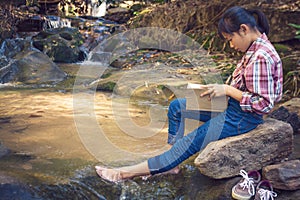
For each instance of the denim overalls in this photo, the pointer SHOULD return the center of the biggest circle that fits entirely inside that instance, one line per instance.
(233, 121)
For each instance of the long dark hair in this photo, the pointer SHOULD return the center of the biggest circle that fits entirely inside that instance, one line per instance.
(235, 16)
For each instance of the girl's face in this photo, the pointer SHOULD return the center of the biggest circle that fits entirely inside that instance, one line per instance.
(238, 41)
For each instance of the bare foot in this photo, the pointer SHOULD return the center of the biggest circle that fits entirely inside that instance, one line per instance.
(113, 175)
(123, 173)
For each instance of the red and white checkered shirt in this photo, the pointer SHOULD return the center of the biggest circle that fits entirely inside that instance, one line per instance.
(259, 76)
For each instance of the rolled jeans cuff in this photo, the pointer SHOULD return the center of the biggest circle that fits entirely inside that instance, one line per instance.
(171, 139)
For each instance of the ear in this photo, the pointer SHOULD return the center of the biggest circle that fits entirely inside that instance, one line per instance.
(244, 28)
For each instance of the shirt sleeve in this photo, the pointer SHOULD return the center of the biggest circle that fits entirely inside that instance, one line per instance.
(260, 95)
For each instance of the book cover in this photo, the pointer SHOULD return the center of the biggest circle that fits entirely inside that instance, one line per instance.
(195, 102)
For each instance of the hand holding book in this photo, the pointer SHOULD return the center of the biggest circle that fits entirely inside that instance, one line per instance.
(213, 90)
(216, 101)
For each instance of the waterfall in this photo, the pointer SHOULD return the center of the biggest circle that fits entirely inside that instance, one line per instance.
(56, 22)
(97, 9)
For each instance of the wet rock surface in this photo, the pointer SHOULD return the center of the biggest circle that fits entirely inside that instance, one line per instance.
(31, 67)
(269, 143)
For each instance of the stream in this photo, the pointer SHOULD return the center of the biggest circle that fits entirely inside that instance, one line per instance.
(43, 156)
(51, 139)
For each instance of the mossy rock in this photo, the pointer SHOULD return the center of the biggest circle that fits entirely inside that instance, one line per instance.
(107, 86)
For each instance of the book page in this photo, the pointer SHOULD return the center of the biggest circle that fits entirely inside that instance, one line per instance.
(196, 86)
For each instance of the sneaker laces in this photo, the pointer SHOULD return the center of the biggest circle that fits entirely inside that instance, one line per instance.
(266, 194)
(247, 182)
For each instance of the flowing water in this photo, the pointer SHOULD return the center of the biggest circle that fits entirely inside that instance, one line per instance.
(48, 150)
(44, 157)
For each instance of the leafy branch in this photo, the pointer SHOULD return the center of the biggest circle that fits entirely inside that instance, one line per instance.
(297, 26)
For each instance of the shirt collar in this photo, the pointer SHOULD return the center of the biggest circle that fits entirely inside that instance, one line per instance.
(255, 45)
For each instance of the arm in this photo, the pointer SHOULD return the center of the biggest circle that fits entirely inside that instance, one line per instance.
(233, 92)
(263, 81)
(264, 85)
(217, 90)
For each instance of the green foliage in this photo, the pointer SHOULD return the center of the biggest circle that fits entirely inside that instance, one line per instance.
(297, 26)
(161, 87)
(281, 48)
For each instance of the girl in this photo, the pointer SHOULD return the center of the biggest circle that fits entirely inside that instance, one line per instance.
(256, 86)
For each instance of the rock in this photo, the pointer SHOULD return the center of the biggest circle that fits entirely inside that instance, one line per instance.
(218, 191)
(292, 118)
(49, 6)
(11, 47)
(285, 176)
(288, 195)
(19, 63)
(269, 143)
(119, 15)
(32, 67)
(17, 191)
(293, 105)
(3, 150)
(31, 24)
(60, 44)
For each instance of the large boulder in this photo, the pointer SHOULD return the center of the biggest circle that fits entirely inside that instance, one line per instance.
(12, 47)
(31, 67)
(269, 143)
(62, 45)
(19, 62)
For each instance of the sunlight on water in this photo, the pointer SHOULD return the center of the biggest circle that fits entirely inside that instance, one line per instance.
(38, 129)
(41, 125)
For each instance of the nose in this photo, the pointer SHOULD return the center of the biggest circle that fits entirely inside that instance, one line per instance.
(231, 45)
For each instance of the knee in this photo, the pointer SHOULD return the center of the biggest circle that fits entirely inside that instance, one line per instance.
(176, 106)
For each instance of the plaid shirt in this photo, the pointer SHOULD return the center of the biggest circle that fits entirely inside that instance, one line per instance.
(259, 76)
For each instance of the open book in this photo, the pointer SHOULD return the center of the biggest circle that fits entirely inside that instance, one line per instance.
(195, 102)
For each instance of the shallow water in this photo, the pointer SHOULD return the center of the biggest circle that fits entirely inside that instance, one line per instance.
(45, 153)
(49, 149)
